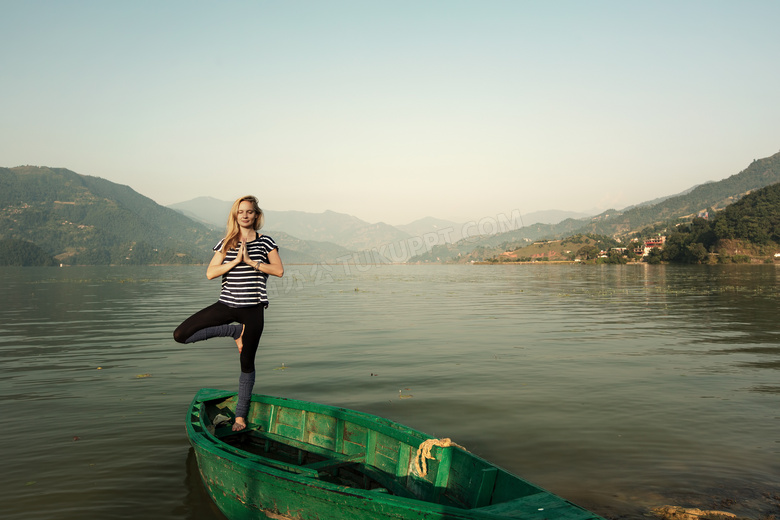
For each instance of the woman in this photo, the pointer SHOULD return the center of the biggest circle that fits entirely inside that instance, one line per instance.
(244, 259)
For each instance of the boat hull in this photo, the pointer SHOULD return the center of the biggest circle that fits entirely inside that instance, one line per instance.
(307, 461)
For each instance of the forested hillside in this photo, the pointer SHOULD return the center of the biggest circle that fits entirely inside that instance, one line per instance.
(21, 252)
(747, 229)
(713, 195)
(78, 219)
(482, 247)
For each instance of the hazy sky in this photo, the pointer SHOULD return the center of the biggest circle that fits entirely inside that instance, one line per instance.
(393, 110)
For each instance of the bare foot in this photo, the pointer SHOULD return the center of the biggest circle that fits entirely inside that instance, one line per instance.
(240, 340)
(239, 425)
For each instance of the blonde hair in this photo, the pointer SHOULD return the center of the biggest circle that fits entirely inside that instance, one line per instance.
(233, 232)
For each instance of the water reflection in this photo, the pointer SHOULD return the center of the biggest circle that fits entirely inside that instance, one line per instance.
(197, 504)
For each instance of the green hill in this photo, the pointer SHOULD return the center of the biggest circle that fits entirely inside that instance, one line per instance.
(483, 247)
(747, 230)
(23, 253)
(576, 246)
(755, 218)
(78, 219)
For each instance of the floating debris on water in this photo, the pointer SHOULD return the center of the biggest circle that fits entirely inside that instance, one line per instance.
(404, 396)
(688, 513)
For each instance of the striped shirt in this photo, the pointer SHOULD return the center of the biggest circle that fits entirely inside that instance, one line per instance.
(243, 286)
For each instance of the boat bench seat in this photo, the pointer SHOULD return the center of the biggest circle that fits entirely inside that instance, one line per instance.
(337, 462)
(333, 460)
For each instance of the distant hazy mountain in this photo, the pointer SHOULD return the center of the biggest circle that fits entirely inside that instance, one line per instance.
(446, 230)
(206, 210)
(293, 250)
(453, 231)
(347, 231)
(354, 234)
(552, 216)
(661, 199)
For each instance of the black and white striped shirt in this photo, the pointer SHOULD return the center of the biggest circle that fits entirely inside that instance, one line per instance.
(243, 286)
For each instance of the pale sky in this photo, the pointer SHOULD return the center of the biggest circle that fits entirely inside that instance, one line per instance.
(393, 110)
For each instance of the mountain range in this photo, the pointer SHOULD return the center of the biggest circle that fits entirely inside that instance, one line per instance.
(80, 219)
(348, 231)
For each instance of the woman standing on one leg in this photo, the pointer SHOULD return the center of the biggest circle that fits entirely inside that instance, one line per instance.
(244, 259)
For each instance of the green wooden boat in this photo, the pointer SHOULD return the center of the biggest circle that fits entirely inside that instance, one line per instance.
(308, 461)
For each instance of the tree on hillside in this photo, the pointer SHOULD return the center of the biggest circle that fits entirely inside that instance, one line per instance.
(614, 257)
(23, 253)
(688, 245)
(755, 218)
(697, 253)
(588, 252)
(654, 256)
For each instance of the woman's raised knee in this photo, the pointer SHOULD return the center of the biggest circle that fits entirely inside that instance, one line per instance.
(179, 336)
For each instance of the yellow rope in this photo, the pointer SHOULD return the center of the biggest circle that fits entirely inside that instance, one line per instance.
(424, 453)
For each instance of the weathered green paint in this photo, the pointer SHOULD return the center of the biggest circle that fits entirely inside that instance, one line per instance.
(308, 461)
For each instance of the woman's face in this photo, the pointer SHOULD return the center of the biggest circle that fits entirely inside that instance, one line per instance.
(246, 214)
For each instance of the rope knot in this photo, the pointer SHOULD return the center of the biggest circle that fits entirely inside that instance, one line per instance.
(424, 453)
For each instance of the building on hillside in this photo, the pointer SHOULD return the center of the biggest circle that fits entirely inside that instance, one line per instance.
(650, 243)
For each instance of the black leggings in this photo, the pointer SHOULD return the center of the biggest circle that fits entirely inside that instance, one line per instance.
(220, 314)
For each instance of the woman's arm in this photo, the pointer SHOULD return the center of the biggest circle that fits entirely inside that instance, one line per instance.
(216, 268)
(273, 267)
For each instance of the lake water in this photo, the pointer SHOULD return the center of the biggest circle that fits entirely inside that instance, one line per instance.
(620, 388)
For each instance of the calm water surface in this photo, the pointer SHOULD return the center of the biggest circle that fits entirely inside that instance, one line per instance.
(620, 388)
